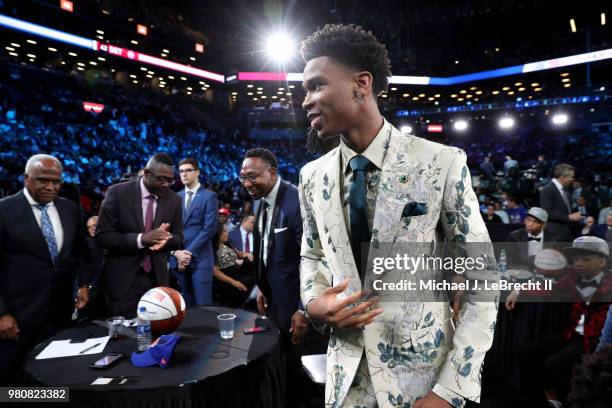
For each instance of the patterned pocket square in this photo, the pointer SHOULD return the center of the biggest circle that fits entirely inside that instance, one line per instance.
(414, 209)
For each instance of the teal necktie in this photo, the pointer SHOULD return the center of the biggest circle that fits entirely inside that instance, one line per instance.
(360, 231)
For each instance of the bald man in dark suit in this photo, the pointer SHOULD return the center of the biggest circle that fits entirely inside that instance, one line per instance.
(42, 249)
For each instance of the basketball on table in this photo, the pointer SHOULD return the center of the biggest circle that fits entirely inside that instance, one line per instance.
(550, 263)
(164, 307)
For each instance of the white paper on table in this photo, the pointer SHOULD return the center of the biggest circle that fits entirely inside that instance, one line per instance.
(63, 348)
(316, 367)
(102, 381)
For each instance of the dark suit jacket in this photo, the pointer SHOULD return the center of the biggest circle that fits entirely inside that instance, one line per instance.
(552, 201)
(120, 222)
(279, 280)
(32, 289)
(599, 230)
(199, 227)
(519, 248)
(235, 239)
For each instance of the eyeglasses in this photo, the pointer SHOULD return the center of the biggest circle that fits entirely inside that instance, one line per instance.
(162, 179)
(250, 177)
(186, 171)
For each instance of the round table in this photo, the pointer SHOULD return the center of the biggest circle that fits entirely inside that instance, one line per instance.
(204, 371)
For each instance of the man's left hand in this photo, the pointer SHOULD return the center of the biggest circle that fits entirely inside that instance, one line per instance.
(82, 297)
(299, 327)
(432, 400)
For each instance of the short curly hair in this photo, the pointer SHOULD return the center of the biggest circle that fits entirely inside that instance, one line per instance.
(263, 154)
(353, 47)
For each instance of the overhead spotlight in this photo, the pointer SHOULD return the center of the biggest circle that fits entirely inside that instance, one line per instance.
(460, 125)
(280, 47)
(559, 119)
(32, 42)
(506, 123)
(406, 129)
(573, 25)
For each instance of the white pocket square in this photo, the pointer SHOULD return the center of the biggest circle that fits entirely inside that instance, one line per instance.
(277, 230)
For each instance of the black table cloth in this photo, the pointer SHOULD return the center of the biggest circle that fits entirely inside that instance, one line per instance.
(205, 370)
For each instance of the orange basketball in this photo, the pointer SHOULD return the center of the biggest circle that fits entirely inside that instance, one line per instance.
(164, 307)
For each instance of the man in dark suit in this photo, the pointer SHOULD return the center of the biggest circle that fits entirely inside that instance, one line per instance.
(527, 242)
(140, 222)
(193, 266)
(278, 238)
(603, 231)
(41, 250)
(242, 238)
(556, 200)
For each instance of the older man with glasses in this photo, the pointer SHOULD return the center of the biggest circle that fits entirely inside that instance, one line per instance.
(140, 222)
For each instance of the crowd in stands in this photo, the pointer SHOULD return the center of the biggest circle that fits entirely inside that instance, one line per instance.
(99, 149)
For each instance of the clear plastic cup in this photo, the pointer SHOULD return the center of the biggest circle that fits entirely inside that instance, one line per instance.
(226, 325)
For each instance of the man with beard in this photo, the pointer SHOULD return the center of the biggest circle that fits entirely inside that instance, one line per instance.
(277, 238)
(140, 222)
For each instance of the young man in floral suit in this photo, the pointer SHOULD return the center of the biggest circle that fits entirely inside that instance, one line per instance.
(378, 187)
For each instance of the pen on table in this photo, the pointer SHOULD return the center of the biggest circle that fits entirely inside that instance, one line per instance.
(90, 348)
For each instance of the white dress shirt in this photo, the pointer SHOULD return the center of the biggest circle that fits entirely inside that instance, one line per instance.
(58, 230)
(535, 247)
(270, 199)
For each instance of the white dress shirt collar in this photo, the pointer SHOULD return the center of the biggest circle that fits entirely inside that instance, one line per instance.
(194, 189)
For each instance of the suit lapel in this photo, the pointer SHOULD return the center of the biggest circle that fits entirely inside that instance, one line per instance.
(137, 200)
(328, 199)
(68, 226)
(256, 235)
(194, 200)
(568, 206)
(161, 204)
(400, 184)
(279, 199)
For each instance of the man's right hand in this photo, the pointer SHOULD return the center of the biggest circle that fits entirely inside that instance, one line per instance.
(328, 309)
(183, 257)
(575, 216)
(154, 237)
(262, 303)
(8, 328)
